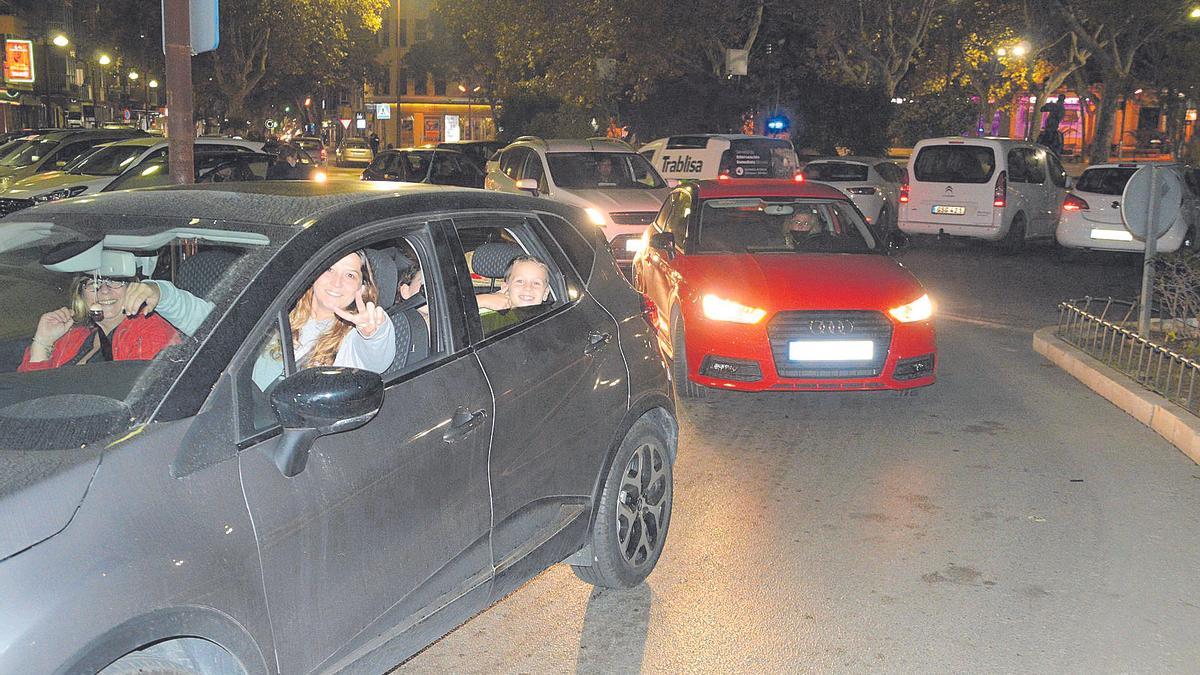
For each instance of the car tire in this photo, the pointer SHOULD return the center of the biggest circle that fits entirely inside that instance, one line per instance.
(634, 512)
(684, 387)
(1014, 240)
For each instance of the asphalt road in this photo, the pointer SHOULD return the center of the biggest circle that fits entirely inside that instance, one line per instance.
(1004, 520)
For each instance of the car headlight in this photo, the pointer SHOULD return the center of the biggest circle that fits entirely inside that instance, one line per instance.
(319, 176)
(596, 216)
(61, 193)
(720, 309)
(917, 310)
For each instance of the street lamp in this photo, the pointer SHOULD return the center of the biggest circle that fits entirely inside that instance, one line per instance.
(1195, 13)
(104, 60)
(470, 100)
(60, 40)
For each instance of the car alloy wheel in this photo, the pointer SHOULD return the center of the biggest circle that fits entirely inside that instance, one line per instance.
(630, 527)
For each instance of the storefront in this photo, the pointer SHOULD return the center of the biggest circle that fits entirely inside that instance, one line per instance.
(412, 124)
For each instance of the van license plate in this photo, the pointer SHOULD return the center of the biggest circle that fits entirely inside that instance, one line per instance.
(950, 210)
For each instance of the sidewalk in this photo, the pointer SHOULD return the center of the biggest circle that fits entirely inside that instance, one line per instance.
(1180, 427)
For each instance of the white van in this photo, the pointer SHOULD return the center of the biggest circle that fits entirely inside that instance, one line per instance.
(998, 189)
(712, 156)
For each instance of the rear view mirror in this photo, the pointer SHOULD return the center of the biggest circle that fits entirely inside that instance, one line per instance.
(528, 185)
(317, 402)
(663, 241)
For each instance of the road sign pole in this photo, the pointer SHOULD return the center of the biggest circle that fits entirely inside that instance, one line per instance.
(1151, 249)
(180, 130)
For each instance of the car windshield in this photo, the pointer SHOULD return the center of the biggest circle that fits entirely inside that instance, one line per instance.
(418, 163)
(781, 225)
(955, 164)
(835, 172)
(354, 143)
(28, 152)
(590, 170)
(74, 369)
(1109, 181)
(112, 160)
(307, 144)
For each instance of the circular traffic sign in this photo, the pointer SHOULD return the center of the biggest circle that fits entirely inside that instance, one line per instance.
(270, 124)
(1135, 201)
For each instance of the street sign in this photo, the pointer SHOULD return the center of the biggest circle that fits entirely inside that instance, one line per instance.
(1135, 201)
(383, 111)
(271, 124)
(345, 122)
(204, 22)
(127, 115)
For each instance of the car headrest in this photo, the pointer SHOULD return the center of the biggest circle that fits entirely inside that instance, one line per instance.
(492, 259)
(383, 268)
(200, 272)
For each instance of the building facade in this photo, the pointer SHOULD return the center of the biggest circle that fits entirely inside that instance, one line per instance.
(409, 108)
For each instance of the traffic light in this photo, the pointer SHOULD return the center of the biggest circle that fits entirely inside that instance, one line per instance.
(778, 124)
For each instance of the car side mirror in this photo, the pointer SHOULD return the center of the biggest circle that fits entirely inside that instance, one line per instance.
(317, 402)
(897, 241)
(664, 241)
(528, 185)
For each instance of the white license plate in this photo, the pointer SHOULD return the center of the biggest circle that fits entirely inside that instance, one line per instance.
(950, 210)
(1112, 235)
(831, 350)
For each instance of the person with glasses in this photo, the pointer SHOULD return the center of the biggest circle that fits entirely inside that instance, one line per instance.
(113, 320)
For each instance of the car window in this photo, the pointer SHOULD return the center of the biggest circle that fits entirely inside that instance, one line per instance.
(648, 154)
(416, 165)
(955, 164)
(149, 172)
(380, 163)
(511, 161)
(676, 222)
(574, 245)
(402, 278)
(536, 284)
(834, 172)
(584, 170)
(65, 154)
(446, 170)
(1058, 175)
(1026, 165)
(28, 152)
(109, 161)
(1104, 181)
(222, 170)
(781, 225)
(890, 172)
(132, 370)
(534, 170)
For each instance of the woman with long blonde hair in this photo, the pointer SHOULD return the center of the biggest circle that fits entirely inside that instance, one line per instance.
(337, 323)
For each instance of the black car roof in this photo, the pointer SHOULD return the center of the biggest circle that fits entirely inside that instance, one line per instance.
(295, 202)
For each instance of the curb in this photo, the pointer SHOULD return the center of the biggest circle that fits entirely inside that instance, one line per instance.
(1180, 427)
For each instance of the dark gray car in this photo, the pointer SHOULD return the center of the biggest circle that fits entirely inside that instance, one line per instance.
(196, 501)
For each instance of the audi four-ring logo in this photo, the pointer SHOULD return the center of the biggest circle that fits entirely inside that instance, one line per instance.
(836, 327)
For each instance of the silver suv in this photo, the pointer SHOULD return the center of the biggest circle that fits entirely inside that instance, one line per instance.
(618, 188)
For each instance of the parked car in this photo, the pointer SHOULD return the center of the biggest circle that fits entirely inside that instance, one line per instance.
(618, 188)
(353, 151)
(781, 285)
(421, 165)
(1091, 213)
(314, 147)
(101, 166)
(209, 167)
(872, 183)
(998, 189)
(721, 156)
(153, 511)
(479, 151)
(53, 151)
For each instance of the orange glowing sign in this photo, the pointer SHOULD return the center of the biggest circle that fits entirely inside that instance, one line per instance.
(18, 61)
(1191, 115)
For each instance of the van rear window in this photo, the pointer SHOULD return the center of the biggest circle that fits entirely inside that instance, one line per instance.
(687, 142)
(955, 164)
(760, 158)
(1104, 181)
(833, 172)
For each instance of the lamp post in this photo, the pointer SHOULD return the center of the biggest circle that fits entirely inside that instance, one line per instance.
(470, 101)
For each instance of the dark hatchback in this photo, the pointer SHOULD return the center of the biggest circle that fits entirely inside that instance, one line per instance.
(185, 514)
(425, 165)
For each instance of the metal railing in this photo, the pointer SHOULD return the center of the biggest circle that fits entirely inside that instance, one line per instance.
(1105, 329)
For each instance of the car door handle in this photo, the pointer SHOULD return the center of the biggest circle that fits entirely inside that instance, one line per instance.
(596, 342)
(463, 423)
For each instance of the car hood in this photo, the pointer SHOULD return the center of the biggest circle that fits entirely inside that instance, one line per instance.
(39, 493)
(40, 183)
(632, 199)
(783, 281)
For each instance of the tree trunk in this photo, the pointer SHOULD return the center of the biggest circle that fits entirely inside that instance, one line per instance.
(1101, 147)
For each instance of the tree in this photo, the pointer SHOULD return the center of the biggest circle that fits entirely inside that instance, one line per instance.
(1056, 49)
(1115, 35)
(319, 41)
(875, 42)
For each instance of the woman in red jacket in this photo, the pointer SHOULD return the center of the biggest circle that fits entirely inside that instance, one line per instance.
(103, 323)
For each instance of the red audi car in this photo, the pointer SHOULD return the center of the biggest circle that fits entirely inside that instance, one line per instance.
(781, 285)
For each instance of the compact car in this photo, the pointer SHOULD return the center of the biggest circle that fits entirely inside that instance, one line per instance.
(997, 189)
(315, 148)
(353, 151)
(781, 285)
(479, 151)
(94, 170)
(191, 512)
(425, 165)
(208, 167)
(617, 188)
(53, 151)
(1091, 213)
(872, 183)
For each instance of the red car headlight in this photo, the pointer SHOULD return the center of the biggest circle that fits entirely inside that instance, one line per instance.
(917, 310)
(720, 309)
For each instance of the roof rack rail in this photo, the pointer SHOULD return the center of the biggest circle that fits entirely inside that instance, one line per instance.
(611, 140)
(535, 139)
